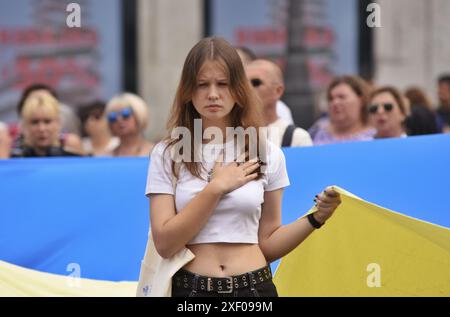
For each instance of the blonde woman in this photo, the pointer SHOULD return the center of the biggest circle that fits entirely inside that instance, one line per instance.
(225, 209)
(41, 129)
(128, 117)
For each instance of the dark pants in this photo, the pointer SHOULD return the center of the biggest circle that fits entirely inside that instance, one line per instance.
(264, 289)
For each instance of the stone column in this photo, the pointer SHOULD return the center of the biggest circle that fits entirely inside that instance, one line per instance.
(167, 29)
(412, 46)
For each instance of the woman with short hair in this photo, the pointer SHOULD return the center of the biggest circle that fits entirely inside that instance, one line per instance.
(388, 110)
(128, 117)
(41, 128)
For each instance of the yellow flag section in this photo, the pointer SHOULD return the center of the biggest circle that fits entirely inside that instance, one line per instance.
(367, 250)
(17, 281)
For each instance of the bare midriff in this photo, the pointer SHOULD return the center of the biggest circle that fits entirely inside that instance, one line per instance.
(225, 259)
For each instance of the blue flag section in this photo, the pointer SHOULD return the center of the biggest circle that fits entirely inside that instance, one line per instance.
(59, 215)
(89, 217)
(408, 175)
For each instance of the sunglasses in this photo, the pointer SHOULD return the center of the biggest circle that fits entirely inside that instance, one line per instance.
(124, 113)
(374, 108)
(256, 82)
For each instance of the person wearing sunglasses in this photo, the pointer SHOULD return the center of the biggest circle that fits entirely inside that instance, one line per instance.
(127, 116)
(97, 139)
(266, 78)
(247, 56)
(388, 110)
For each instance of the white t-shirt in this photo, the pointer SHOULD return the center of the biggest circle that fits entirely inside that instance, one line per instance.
(112, 144)
(276, 131)
(236, 217)
(284, 112)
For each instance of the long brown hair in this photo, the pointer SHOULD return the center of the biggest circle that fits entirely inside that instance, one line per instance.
(246, 111)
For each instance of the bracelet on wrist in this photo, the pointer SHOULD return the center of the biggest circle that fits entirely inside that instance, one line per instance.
(314, 222)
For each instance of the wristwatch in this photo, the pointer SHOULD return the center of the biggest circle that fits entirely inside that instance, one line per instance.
(314, 222)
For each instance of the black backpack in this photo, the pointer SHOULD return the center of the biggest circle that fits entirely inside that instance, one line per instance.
(287, 136)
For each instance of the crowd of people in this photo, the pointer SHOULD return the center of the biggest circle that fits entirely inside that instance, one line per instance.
(47, 129)
(357, 111)
(227, 210)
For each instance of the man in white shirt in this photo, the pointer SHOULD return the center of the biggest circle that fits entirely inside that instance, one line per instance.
(283, 111)
(267, 79)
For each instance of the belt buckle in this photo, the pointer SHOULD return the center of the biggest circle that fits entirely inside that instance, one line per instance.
(229, 286)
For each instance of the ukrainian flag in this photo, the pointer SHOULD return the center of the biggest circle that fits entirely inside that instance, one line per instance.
(78, 226)
(367, 250)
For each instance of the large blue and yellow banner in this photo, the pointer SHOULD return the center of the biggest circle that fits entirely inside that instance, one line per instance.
(87, 220)
(367, 250)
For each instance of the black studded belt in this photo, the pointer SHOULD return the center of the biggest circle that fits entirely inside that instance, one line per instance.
(186, 279)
